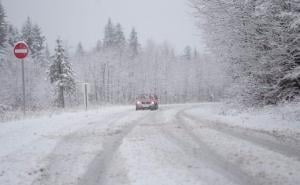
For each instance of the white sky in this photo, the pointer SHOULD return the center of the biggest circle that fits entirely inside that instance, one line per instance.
(84, 20)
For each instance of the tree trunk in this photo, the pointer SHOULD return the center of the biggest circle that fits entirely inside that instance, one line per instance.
(61, 97)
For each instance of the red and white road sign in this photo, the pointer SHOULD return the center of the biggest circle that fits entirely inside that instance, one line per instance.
(21, 50)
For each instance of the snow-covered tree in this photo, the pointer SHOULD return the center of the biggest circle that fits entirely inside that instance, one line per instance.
(119, 38)
(109, 35)
(287, 41)
(38, 43)
(3, 29)
(61, 74)
(257, 41)
(32, 35)
(26, 33)
(187, 53)
(133, 43)
(13, 35)
(79, 49)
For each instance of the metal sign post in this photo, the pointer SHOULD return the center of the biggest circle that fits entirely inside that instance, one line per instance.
(21, 52)
(23, 85)
(86, 95)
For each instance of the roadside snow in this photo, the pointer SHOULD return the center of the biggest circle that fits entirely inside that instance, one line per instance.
(281, 120)
(26, 144)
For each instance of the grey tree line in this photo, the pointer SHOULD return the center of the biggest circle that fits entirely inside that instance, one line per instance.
(117, 69)
(120, 68)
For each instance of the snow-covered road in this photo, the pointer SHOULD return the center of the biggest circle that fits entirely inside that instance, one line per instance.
(172, 146)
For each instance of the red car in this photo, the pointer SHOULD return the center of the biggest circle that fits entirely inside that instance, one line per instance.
(146, 102)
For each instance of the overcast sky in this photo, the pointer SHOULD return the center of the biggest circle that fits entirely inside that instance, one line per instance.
(84, 20)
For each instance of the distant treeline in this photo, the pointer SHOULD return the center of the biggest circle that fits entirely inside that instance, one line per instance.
(117, 69)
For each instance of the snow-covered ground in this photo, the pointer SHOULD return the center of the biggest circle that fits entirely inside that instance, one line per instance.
(179, 144)
(281, 120)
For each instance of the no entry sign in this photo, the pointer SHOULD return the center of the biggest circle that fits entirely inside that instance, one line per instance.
(21, 50)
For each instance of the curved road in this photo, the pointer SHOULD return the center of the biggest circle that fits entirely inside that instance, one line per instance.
(169, 146)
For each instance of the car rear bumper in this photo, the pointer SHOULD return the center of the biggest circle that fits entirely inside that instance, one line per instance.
(145, 106)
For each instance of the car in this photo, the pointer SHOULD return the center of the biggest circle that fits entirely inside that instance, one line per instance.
(147, 101)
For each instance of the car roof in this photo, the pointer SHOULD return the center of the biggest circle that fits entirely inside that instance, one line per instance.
(147, 95)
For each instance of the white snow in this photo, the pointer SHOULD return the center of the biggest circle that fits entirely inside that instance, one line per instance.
(118, 145)
(26, 144)
(284, 119)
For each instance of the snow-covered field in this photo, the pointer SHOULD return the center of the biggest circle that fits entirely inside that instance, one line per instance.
(179, 144)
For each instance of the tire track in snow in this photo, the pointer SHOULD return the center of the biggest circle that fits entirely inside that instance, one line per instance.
(251, 136)
(97, 170)
(62, 161)
(204, 154)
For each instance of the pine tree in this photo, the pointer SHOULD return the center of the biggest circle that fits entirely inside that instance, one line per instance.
(3, 28)
(61, 74)
(80, 51)
(187, 53)
(288, 86)
(109, 33)
(13, 35)
(38, 43)
(32, 35)
(27, 33)
(133, 43)
(119, 38)
(47, 55)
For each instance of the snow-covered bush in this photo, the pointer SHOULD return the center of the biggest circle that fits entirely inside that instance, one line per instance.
(4, 108)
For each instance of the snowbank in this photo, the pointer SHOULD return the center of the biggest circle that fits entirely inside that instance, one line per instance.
(282, 120)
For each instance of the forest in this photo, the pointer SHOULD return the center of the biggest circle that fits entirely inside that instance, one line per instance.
(252, 59)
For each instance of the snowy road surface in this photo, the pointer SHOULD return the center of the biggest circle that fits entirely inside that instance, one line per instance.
(172, 146)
